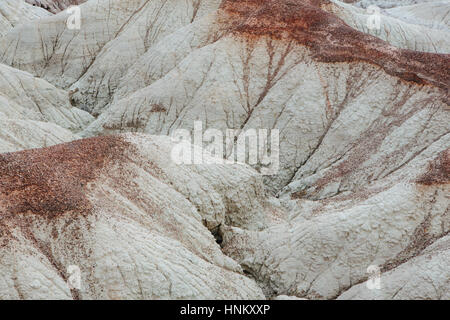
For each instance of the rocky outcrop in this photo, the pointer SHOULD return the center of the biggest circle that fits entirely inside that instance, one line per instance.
(26, 97)
(363, 116)
(326, 248)
(421, 27)
(386, 3)
(112, 208)
(34, 113)
(17, 134)
(430, 278)
(15, 12)
(326, 116)
(54, 6)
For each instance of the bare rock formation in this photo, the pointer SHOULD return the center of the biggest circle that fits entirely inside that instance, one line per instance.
(35, 114)
(106, 206)
(355, 92)
(423, 277)
(363, 116)
(325, 248)
(54, 6)
(386, 3)
(27, 97)
(18, 134)
(421, 27)
(15, 12)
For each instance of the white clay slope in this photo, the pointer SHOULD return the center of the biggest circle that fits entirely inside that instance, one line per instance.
(121, 221)
(364, 173)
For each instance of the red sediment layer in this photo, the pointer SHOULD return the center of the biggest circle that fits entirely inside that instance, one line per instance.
(438, 170)
(53, 180)
(331, 40)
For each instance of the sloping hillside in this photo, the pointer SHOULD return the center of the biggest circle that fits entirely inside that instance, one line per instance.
(362, 178)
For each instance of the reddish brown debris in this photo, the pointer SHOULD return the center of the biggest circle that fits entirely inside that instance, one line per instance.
(53, 180)
(331, 40)
(438, 170)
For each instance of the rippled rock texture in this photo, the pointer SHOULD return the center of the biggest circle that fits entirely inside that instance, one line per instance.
(363, 115)
(54, 6)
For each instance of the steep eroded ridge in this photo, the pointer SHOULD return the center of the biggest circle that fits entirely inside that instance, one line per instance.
(438, 170)
(331, 40)
(363, 178)
(115, 208)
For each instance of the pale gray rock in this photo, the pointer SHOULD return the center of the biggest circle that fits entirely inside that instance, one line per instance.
(323, 116)
(54, 6)
(34, 113)
(421, 27)
(147, 26)
(27, 97)
(321, 253)
(115, 214)
(17, 134)
(15, 12)
(364, 128)
(424, 277)
(287, 298)
(387, 3)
